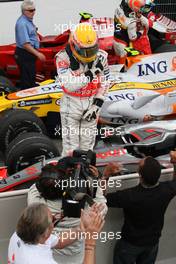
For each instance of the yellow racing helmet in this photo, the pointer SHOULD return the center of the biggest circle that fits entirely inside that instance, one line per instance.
(84, 43)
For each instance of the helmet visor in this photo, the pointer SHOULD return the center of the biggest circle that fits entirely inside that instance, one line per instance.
(147, 8)
(86, 52)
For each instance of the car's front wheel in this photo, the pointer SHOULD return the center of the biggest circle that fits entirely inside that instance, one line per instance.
(14, 122)
(28, 149)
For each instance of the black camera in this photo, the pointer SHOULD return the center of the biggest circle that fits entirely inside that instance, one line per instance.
(78, 175)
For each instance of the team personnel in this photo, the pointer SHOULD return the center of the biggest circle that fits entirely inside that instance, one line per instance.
(83, 72)
(144, 207)
(128, 23)
(27, 45)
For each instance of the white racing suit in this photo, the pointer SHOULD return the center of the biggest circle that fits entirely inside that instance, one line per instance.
(79, 95)
(126, 31)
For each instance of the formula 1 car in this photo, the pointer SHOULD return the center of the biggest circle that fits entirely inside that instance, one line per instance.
(50, 45)
(127, 101)
(126, 145)
(146, 98)
(153, 138)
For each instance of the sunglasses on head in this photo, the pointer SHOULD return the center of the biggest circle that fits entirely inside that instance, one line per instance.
(31, 10)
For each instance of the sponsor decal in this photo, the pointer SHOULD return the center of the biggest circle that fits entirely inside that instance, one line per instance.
(152, 68)
(123, 96)
(125, 85)
(62, 67)
(123, 120)
(34, 102)
(62, 64)
(165, 84)
(31, 170)
(51, 88)
(111, 153)
(31, 91)
(61, 70)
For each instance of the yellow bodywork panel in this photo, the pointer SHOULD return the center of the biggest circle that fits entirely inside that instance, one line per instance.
(46, 98)
(40, 104)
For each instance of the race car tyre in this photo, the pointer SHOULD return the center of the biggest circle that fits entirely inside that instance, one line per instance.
(28, 149)
(17, 121)
(166, 48)
(6, 85)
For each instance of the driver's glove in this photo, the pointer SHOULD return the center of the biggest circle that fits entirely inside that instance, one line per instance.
(144, 22)
(91, 114)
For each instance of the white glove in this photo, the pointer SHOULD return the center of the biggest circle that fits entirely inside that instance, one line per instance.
(91, 114)
(144, 22)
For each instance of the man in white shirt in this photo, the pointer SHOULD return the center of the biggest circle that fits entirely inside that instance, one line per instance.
(23, 253)
(32, 242)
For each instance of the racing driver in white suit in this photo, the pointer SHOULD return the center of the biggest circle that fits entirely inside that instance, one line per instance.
(84, 75)
(126, 20)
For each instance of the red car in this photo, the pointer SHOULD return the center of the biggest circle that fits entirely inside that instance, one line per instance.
(49, 45)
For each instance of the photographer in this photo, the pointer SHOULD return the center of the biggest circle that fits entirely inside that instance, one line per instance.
(48, 191)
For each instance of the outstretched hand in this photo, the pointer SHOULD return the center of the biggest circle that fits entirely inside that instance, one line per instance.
(91, 221)
(113, 168)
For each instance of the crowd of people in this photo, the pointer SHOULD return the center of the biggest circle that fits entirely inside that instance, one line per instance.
(58, 222)
(43, 227)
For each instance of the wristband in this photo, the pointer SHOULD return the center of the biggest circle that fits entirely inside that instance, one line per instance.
(99, 102)
(89, 247)
(93, 244)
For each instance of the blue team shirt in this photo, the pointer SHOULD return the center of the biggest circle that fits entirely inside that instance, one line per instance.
(25, 32)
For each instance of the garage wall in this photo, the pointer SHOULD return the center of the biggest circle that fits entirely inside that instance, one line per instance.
(53, 12)
(50, 13)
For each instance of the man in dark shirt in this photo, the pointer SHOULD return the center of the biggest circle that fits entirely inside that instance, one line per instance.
(144, 208)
